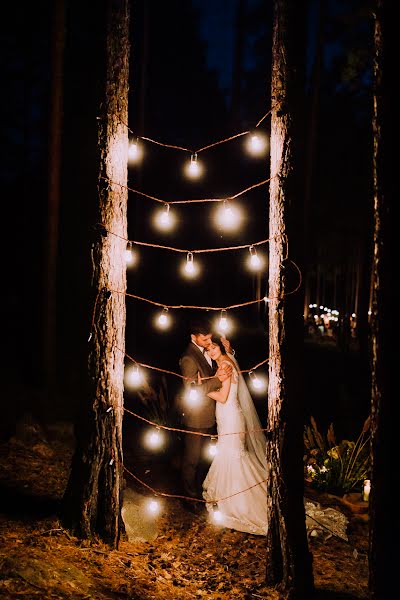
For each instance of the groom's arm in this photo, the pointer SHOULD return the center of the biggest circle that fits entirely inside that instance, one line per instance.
(190, 369)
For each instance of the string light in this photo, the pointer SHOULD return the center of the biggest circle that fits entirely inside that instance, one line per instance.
(223, 321)
(193, 169)
(255, 262)
(164, 219)
(164, 319)
(154, 439)
(130, 256)
(227, 217)
(153, 506)
(134, 378)
(192, 397)
(216, 514)
(256, 144)
(212, 448)
(189, 269)
(135, 152)
(258, 384)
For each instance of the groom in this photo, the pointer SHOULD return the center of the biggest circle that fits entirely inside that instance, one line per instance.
(199, 416)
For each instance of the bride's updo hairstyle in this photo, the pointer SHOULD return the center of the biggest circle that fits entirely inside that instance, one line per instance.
(215, 340)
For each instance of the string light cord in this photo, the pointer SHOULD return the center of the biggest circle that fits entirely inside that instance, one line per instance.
(210, 435)
(165, 495)
(195, 251)
(175, 147)
(188, 379)
(191, 201)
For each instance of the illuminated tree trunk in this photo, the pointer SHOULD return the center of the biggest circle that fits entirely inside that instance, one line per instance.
(383, 508)
(288, 558)
(92, 500)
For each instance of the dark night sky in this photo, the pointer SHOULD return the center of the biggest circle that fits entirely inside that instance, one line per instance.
(188, 102)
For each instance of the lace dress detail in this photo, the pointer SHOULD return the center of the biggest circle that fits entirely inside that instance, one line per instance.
(234, 469)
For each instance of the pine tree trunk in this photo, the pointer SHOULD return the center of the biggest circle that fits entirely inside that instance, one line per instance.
(288, 558)
(383, 507)
(92, 501)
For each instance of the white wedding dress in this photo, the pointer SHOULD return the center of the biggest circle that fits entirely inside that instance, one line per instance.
(239, 464)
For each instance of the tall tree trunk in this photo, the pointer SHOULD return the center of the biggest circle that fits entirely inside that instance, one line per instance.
(288, 558)
(383, 501)
(92, 501)
(53, 204)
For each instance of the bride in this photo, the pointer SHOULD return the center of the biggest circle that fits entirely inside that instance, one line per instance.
(236, 480)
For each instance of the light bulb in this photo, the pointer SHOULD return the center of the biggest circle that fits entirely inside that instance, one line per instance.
(216, 514)
(154, 439)
(192, 396)
(163, 319)
(228, 217)
(257, 144)
(193, 169)
(223, 322)
(134, 377)
(212, 449)
(153, 506)
(255, 262)
(130, 257)
(164, 219)
(134, 152)
(190, 269)
(258, 384)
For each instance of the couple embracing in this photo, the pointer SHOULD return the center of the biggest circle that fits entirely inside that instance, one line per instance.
(235, 481)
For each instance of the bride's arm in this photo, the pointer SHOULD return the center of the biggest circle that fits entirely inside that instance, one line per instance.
(222, 394)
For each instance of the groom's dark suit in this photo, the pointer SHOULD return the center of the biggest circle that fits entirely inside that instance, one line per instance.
(199, 418)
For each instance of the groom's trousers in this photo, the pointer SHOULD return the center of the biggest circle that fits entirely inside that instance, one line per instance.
(194, 462)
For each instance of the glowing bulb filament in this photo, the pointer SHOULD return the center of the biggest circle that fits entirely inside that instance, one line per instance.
(134, 377)
(217, 515)
(134, 152)
(189, 264)
(164, 319)
(154, 439)
(213, 448)
(223, 322)
(193, 396)
(153, 506)
(258, 384)
(255, 262)
(129, 256)
(193, 169)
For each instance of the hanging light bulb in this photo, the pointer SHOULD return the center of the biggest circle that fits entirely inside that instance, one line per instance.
(255, 262)
(153, 506)
(135, 152)
(190, 270)
(193, 396)
(130, 257)
(257, 144)
(193, 169)
(154, 438)
(134, 377)
(258, 384)
(228, 217)
(216, 514)
(164, 219)
(163, 319)
(212, 449)
(223, 321)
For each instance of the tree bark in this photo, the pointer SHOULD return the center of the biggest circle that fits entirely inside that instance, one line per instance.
(92, 501)
(288, 558)
(383, 501)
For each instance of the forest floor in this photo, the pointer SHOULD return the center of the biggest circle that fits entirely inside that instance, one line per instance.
(189, 558)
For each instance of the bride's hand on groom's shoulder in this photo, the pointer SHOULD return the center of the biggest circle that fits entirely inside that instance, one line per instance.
(224, 372)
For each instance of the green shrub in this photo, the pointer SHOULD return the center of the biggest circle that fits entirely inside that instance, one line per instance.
(332, 467)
